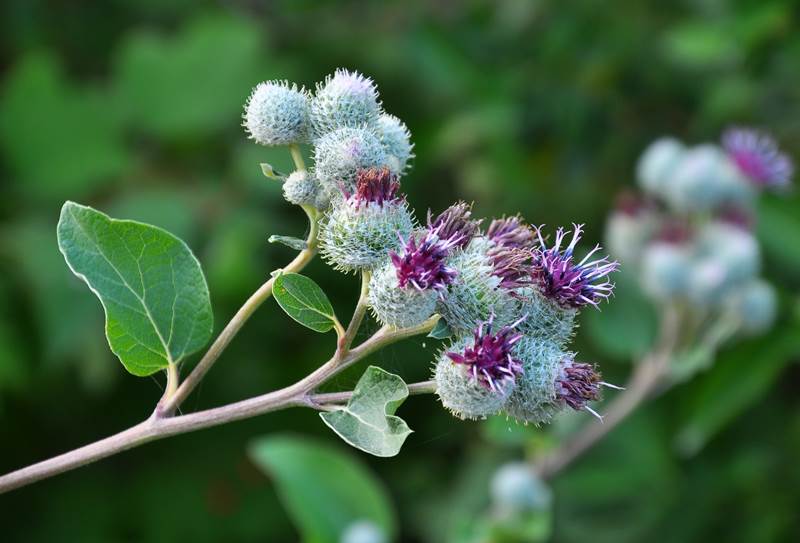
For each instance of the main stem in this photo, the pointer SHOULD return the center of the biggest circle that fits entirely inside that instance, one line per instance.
(159, 426)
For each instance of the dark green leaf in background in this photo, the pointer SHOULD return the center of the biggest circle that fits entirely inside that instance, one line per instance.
(150, 284)
(325, 490)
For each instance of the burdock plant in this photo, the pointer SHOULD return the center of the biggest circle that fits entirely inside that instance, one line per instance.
(504, 299)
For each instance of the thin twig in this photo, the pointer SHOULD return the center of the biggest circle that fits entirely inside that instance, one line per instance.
(327, 398)
(171, 403)
(648, 377)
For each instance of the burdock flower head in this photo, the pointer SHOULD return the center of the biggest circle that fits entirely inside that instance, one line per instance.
(511, 232)
(490, 360)
(361, 228)
(578, 384)
(455, 224)
(571, 284)
(374, 186)
(758, 157)
(421, 263)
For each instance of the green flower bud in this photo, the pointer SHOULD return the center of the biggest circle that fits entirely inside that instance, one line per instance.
(360, 237)
(396, 140)
(515, 488)
(301, 188)
(395, 305)
(345, 99)
(754, 305)
(665, 270)
(534, 399)
(546, 319)
(339, 155)
(277, 114)
(657, 164)
(476, 294)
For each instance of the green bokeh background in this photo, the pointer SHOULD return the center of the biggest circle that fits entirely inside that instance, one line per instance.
(133, 106)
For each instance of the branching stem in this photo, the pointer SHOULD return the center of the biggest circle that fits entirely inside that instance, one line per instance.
(648, 377)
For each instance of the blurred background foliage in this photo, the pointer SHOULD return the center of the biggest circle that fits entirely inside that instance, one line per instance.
(133, 106)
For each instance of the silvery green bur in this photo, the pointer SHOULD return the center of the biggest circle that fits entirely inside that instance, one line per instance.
(277, 113)
(362, 227)
(344, 99)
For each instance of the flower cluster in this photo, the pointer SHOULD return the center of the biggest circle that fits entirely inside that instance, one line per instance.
(506, 299)
(689, 236)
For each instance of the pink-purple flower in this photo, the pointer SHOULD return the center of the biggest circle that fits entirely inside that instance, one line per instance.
(570, 283)
(421, 264)
(490, 360)
(758, 157)
(375, 185)
(578, 384)
(511, 232)
(455, 224)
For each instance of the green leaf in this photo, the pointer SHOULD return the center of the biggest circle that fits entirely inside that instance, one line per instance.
(271, 173)
(323, 489)
(151, 286)
(441, 330)
(368, 422)
(291, 242)
(304, 301)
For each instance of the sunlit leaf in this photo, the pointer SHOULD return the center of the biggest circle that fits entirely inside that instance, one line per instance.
(150, 284)
(368, 421)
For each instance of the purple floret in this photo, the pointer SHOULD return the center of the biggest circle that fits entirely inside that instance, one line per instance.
(758, 157)
(569, 283)
(422, 264)
(455, 224)
(511, 232)
(490, 360)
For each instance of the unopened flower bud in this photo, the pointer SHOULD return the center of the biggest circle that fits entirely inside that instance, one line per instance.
(364, 531)
(665, 270)
(301, 188)
(657, 164)
(396, 140)
(344, 99)
(754, 305)
(340, 154)
(277, 114)
(515, 488)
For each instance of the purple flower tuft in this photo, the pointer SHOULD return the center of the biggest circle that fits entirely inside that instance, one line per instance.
(375, 185)
(578, 384)
(568, 283)
(511, 265)
(489, 359)
(455, 224)
(422, 264)
(511, 232)
(758, 157)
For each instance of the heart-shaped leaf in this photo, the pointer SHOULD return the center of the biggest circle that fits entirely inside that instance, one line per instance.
(151, 286)
(304, 301)
(323, 489)
(368, 422)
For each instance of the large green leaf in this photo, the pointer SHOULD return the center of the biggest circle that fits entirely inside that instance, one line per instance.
(304, 301)
(323, 489)
(368, 422)
(150, 284)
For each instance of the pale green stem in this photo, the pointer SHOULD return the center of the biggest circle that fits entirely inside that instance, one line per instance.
(297, 157)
